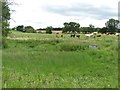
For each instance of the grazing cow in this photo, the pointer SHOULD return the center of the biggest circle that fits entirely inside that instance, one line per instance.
(98, 35)
(78, 35)
(72, 35)
(117, 34)
(57, 35)
(89, 35)
(61, 35)
(95, 33)
(110, 33)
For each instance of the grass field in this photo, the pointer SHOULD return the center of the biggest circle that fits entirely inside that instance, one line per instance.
(44, 61)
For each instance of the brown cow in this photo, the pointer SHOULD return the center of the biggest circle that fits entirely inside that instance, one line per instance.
(78, 35)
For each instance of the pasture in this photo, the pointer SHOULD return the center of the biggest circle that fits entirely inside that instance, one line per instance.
(43, 61)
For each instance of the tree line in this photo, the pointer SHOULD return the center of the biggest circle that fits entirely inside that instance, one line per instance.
(71, 27)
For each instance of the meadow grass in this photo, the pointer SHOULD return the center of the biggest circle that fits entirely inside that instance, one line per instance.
(48, 64)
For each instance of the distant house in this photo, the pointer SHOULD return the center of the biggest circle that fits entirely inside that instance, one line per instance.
(53, 31)
(40, 31)
(56, 32)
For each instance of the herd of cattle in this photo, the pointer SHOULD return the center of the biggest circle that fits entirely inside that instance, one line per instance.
(94, 34)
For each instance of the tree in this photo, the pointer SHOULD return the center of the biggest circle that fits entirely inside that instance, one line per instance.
(49, 30)
(71, 27)
(103, 30)
(29, 29)
(4, 20)
(91, 28)
(58, 29)
(5, 17)
(84, 29)
(112, 25)
(20, 28)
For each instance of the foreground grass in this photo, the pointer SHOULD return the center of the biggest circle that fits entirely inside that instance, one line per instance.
(42, 64)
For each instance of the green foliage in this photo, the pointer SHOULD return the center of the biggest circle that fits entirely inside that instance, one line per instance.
(71, 27)
(29, 29)
(40, 63)
(112, 25)
(20, 28)
(91, 28)
(103, 30)
(56, 29)
(73, 46)
(4, 42)
(5, 16)
(34, 43)
(49, 30)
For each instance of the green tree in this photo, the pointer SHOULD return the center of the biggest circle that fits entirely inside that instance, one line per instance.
(20, 28)
(4, 18)
(49, 30)
(84, 29)
(29, 29)
(66, 27)
(103, 30)
(71, 27)
(91, 28)
(112, 25)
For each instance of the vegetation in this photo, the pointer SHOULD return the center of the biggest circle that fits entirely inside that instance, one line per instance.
(5, 17)
(20, 28)
(49, 30)
(103, 30)
(29, 29)
(112, 25)
(44, 61)
(91, 28)
(71, 27)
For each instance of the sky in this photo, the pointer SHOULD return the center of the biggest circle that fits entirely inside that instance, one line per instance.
(43, 13)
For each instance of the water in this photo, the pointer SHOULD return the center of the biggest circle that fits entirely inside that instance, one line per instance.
(92, 46)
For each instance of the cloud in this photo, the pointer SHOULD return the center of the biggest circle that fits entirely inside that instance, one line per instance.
(82, 10)
(43, 13)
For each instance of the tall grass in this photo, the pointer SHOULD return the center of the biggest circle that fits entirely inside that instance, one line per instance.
(60, 63)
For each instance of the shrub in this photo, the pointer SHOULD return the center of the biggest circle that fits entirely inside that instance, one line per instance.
(55, 41)
(34, 43)
(4, 44)
(72, 46)
(49, 30)
(29, 29)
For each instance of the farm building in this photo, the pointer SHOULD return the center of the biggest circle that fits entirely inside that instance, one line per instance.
(40, 31)
(53, 31)
(56, 32)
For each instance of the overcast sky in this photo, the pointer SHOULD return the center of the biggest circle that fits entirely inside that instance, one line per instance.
(43, 13)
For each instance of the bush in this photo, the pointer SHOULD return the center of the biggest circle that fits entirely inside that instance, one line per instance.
(49, 30)
(29, 29)
(34, 43)
(72, 46)
(4, 44)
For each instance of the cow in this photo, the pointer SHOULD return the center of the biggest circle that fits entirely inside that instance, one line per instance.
(61, 35)
(95, 33)
(117, 34)
(78, 35)
(89, 35)
(72, 35)
(98, 35)
(110, 33)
